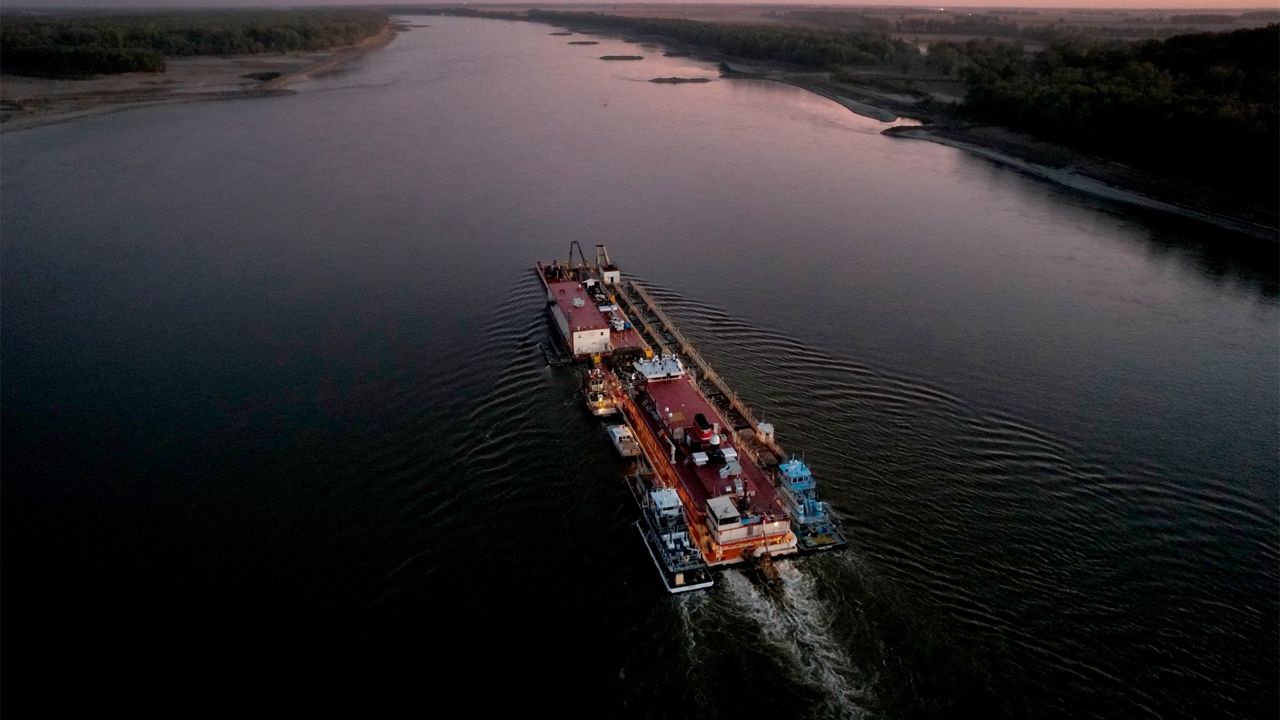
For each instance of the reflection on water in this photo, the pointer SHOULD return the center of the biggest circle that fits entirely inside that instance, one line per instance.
(1201, 249)
(1229, 261)
(275, 421)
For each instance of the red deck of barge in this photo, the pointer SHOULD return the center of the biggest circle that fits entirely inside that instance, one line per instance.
(684, 401)
(581, 317)
(587, 316)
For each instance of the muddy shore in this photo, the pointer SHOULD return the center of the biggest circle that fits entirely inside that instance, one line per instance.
(27, 102)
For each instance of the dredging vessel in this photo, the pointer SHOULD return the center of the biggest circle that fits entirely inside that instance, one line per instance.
(713, 486)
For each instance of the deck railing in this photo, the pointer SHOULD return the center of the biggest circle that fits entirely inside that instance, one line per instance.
(706, 373)
(633, 311)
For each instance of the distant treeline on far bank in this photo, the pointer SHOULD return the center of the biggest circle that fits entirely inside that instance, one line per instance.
(1205, 104)
(61, 44)
(1199, 105)
(818, 48)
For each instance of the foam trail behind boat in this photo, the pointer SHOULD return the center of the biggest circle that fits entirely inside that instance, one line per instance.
(798, 627)
(690, 606)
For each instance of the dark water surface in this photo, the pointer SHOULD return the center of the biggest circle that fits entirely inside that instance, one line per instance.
(277, 435)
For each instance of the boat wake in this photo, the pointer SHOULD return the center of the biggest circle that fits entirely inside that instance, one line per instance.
(690, 608)
(942, 479)
(797, 624)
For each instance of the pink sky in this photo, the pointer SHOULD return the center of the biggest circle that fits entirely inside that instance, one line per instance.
(1181, 5)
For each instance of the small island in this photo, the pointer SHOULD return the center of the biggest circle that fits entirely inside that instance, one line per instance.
(621, 57)
(680, 80)
(583, 42)
(561, 33)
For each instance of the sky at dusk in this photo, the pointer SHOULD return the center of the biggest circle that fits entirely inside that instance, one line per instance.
(1180, 5)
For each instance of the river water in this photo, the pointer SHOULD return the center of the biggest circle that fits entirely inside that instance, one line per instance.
(276, 429)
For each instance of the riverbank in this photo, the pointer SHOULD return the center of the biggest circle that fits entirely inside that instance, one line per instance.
(1100, 177)
(28, 102)
(1056, 163)
(928, 104)
(1049, 161)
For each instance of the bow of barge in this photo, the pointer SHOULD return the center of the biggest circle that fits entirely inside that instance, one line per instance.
(582, 302)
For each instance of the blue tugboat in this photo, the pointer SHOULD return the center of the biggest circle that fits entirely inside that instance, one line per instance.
(810, 517)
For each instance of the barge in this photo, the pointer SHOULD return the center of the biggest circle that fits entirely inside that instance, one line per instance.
(583, 306)
(713, 486)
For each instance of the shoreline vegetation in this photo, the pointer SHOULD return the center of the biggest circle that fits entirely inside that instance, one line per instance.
(203, 55)
(1184, 125)
(1140, 109)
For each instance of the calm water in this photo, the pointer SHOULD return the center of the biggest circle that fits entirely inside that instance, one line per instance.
(276, 429)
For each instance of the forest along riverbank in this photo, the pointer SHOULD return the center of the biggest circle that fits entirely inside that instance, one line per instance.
(28, 102)
(1049, 161)
(1056, 163)
(877, 92)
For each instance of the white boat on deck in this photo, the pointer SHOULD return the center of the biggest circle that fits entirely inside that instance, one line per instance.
(624, 441)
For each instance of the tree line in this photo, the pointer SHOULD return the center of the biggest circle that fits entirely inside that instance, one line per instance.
(1203, 105)
(59, 45)
(797, 46)
(993, 25)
